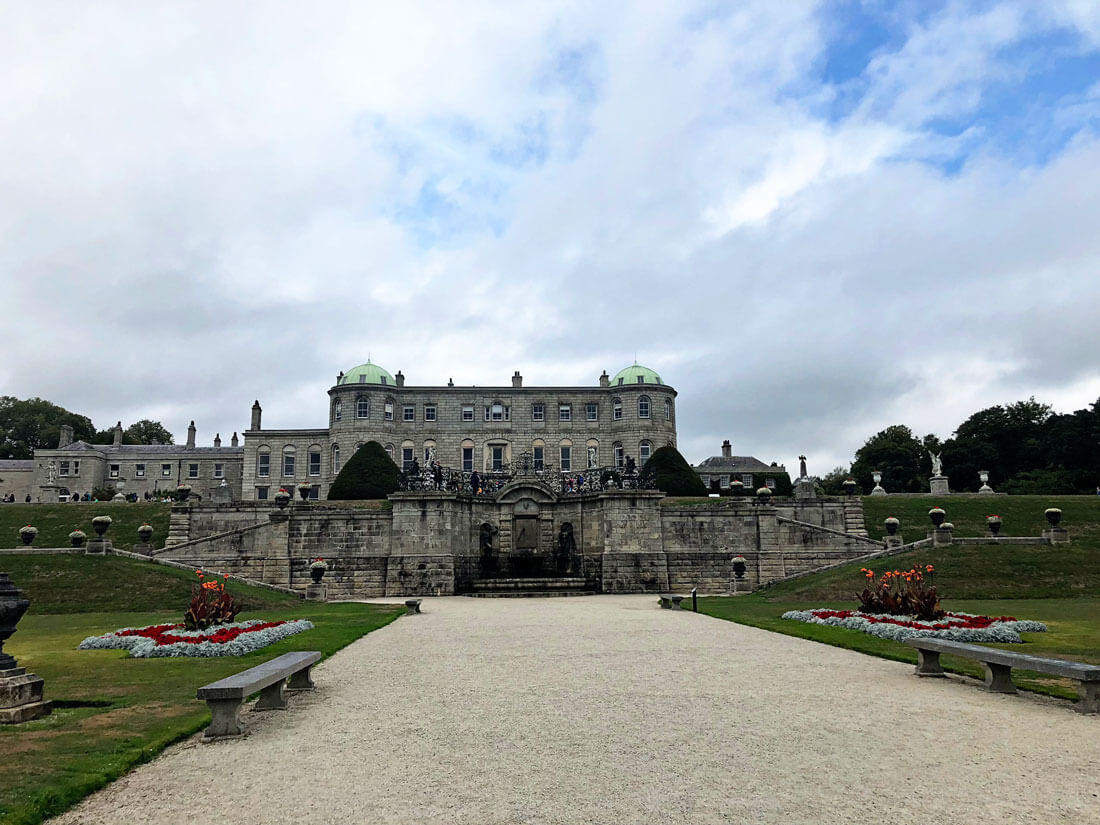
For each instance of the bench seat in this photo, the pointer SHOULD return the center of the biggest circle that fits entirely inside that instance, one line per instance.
(671, 601)
(412, 606)
(999, 663)
(225, 696)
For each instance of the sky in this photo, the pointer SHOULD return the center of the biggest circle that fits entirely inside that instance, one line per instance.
(814, 220)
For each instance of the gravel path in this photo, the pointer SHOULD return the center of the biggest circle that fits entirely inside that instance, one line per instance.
(607, 710)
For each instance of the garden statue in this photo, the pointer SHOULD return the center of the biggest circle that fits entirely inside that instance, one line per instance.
(937, 464)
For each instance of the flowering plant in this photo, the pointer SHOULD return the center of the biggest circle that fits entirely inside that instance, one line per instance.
(890, 520)
(937, 511)
(78, 534)
(318, 564)
(959, 627)
(994, 519)
(102, 520)
(763, 491)
(210, 604)
(234, 639)
(28, 531)
(145, 528)
(901, 593)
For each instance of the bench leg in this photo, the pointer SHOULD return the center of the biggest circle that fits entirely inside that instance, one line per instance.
(1088, 697)
(225, 718)
(665, 604)
(998, 678)
(411, 609)
(301, 680)
(676, 604)
(928, 663)
(272, 698)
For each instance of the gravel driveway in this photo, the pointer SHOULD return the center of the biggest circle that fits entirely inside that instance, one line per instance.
(609, 710)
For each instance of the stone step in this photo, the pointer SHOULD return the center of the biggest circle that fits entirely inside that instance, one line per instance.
(529, 594)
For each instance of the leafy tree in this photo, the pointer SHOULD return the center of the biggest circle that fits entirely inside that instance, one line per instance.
(35, 424)
(897, 453)
(1012, 436)
(369, 474)
(147, 432)
(670, 473)
(832, 483)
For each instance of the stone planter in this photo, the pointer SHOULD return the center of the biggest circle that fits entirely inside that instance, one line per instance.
(317, 573)
(763, 495)
(282, 499)
(937, 515)
(145, 532)
(891, 526)
(304, 490)
(1054, 516)
(12, 608)
(77, 538)
(183, 492)
(100, 525)
(995, 527)
(739, 567)
(27, 535)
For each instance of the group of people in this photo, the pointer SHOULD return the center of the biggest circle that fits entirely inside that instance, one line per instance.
(10, 498)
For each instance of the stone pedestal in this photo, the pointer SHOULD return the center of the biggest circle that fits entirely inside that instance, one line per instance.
(985, 490)
(97, 547)
(1056, 535)
(316, 592)
(144, 547)
(49, 493)
(804, 488)
(222, 494)
(878, 490)
(21, 696)
(893, 541)
(938, 485)
(941, 537)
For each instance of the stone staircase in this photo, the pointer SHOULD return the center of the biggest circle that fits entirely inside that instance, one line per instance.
(179, 527)
(853, 517)
(530, 587)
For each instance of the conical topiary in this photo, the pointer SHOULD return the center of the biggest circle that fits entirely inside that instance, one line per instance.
(370, 473)
(671, 474)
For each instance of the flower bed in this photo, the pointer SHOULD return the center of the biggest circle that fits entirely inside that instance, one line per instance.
(958, 627)
(236, 639)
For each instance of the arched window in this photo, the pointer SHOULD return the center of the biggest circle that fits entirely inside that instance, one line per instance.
(288, 461)
(565, 452)
(407, 454)
(335, 459)
(337, 409)
(466, 455)
(362, 407)
(538, 450)
(617, 408)
(618, 449)
(643, 406)
(668, 409)
(644, 450)
(388, 410)
(389, 451)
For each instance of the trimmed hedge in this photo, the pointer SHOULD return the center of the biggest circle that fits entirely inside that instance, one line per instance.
(369, 474)
(672, 475)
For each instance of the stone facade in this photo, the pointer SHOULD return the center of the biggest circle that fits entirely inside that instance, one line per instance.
(464, 427)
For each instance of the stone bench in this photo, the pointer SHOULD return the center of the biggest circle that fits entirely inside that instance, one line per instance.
(671, 601)
(412, 606)
(225, 696)
(999, 663)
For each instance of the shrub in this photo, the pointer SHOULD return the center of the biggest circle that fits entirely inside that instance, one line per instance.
(671, 474)
(369, 474)
(901, 593)
(210, 604)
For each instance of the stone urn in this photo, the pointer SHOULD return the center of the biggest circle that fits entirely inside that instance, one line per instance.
(994, 523)
(282, 499)
(849, 487)
(892, 525)
(1054, 516)
(763, 495)
(28, 533)
(317, 570)
(183, 492)
(937, 515)
(739, 567)
(12, 608)
(736, 487)
(77, 538)
(304, 490)
(145, 532)
(100, 525)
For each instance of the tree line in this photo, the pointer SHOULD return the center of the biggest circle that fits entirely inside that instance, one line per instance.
(1026, 447)
(35, 424)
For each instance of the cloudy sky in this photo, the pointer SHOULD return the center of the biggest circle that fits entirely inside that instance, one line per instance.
(813, 219)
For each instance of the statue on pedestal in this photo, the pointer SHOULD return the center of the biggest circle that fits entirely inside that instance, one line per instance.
(937, 464)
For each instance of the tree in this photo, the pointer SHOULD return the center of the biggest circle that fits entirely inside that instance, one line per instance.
(369, 474)
(895, 452)
(832, 483)
(35, 424)
(147, 432)
(670, 473)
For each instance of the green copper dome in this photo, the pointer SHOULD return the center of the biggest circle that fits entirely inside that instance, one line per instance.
(636, 374)
(368, 373)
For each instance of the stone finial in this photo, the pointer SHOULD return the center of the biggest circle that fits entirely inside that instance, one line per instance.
(191, 436)
(234, 441)
(66, 437)
(450, 382)
(399, 378)
(802, 467)
(117, 442)
(257, 411)
(217, 439)
(605, 379)
(727, 449)
(517, 379)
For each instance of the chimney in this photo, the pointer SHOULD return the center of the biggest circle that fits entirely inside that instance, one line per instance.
(450, 382)
(66, 437)
(727, 450)
(191, 436)
(340, 377)
(256, 411)
(605, 381)
(118, 435)
(218, 440)
(517, 379)
(399, 378)
(233, 442)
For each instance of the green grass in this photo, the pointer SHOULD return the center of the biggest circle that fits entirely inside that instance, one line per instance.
(115, 712)
(56, 521)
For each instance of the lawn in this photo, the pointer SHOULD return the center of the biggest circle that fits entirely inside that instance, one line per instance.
(56, 521)
(113, 712)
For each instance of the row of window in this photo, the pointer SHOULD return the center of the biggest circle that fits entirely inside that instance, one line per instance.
(497, 411)
(290, 460)
(166, 470)
(746, 480)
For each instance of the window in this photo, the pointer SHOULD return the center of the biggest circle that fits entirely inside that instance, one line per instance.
(389, 452)
(643, 453)
(724, 482)
(192, 470)
(468, 413)
(139, 470)
(408, 413)
(219, 471)
(382, 380)
(76, 468)
(643, 407)
(496, 455)
(539, 458)
(746, 479)
(769, 483)
(429, 412)
(621, 381)
(668, 409)
(362, 406)
(406, 458)
(388, 411)
(114, 471)
(335, 459)
(166, 470)
(538, 412)
(315, 462)
(641, 379)
(468, 457)
(618, 455)
(261, 493)
(565, 412)
(495, 412)
(591, 412)
(362, 378)
(337, 409)
(314, 493)
(566, 458)
(63, 468)
(617, 409)
(288, 462)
